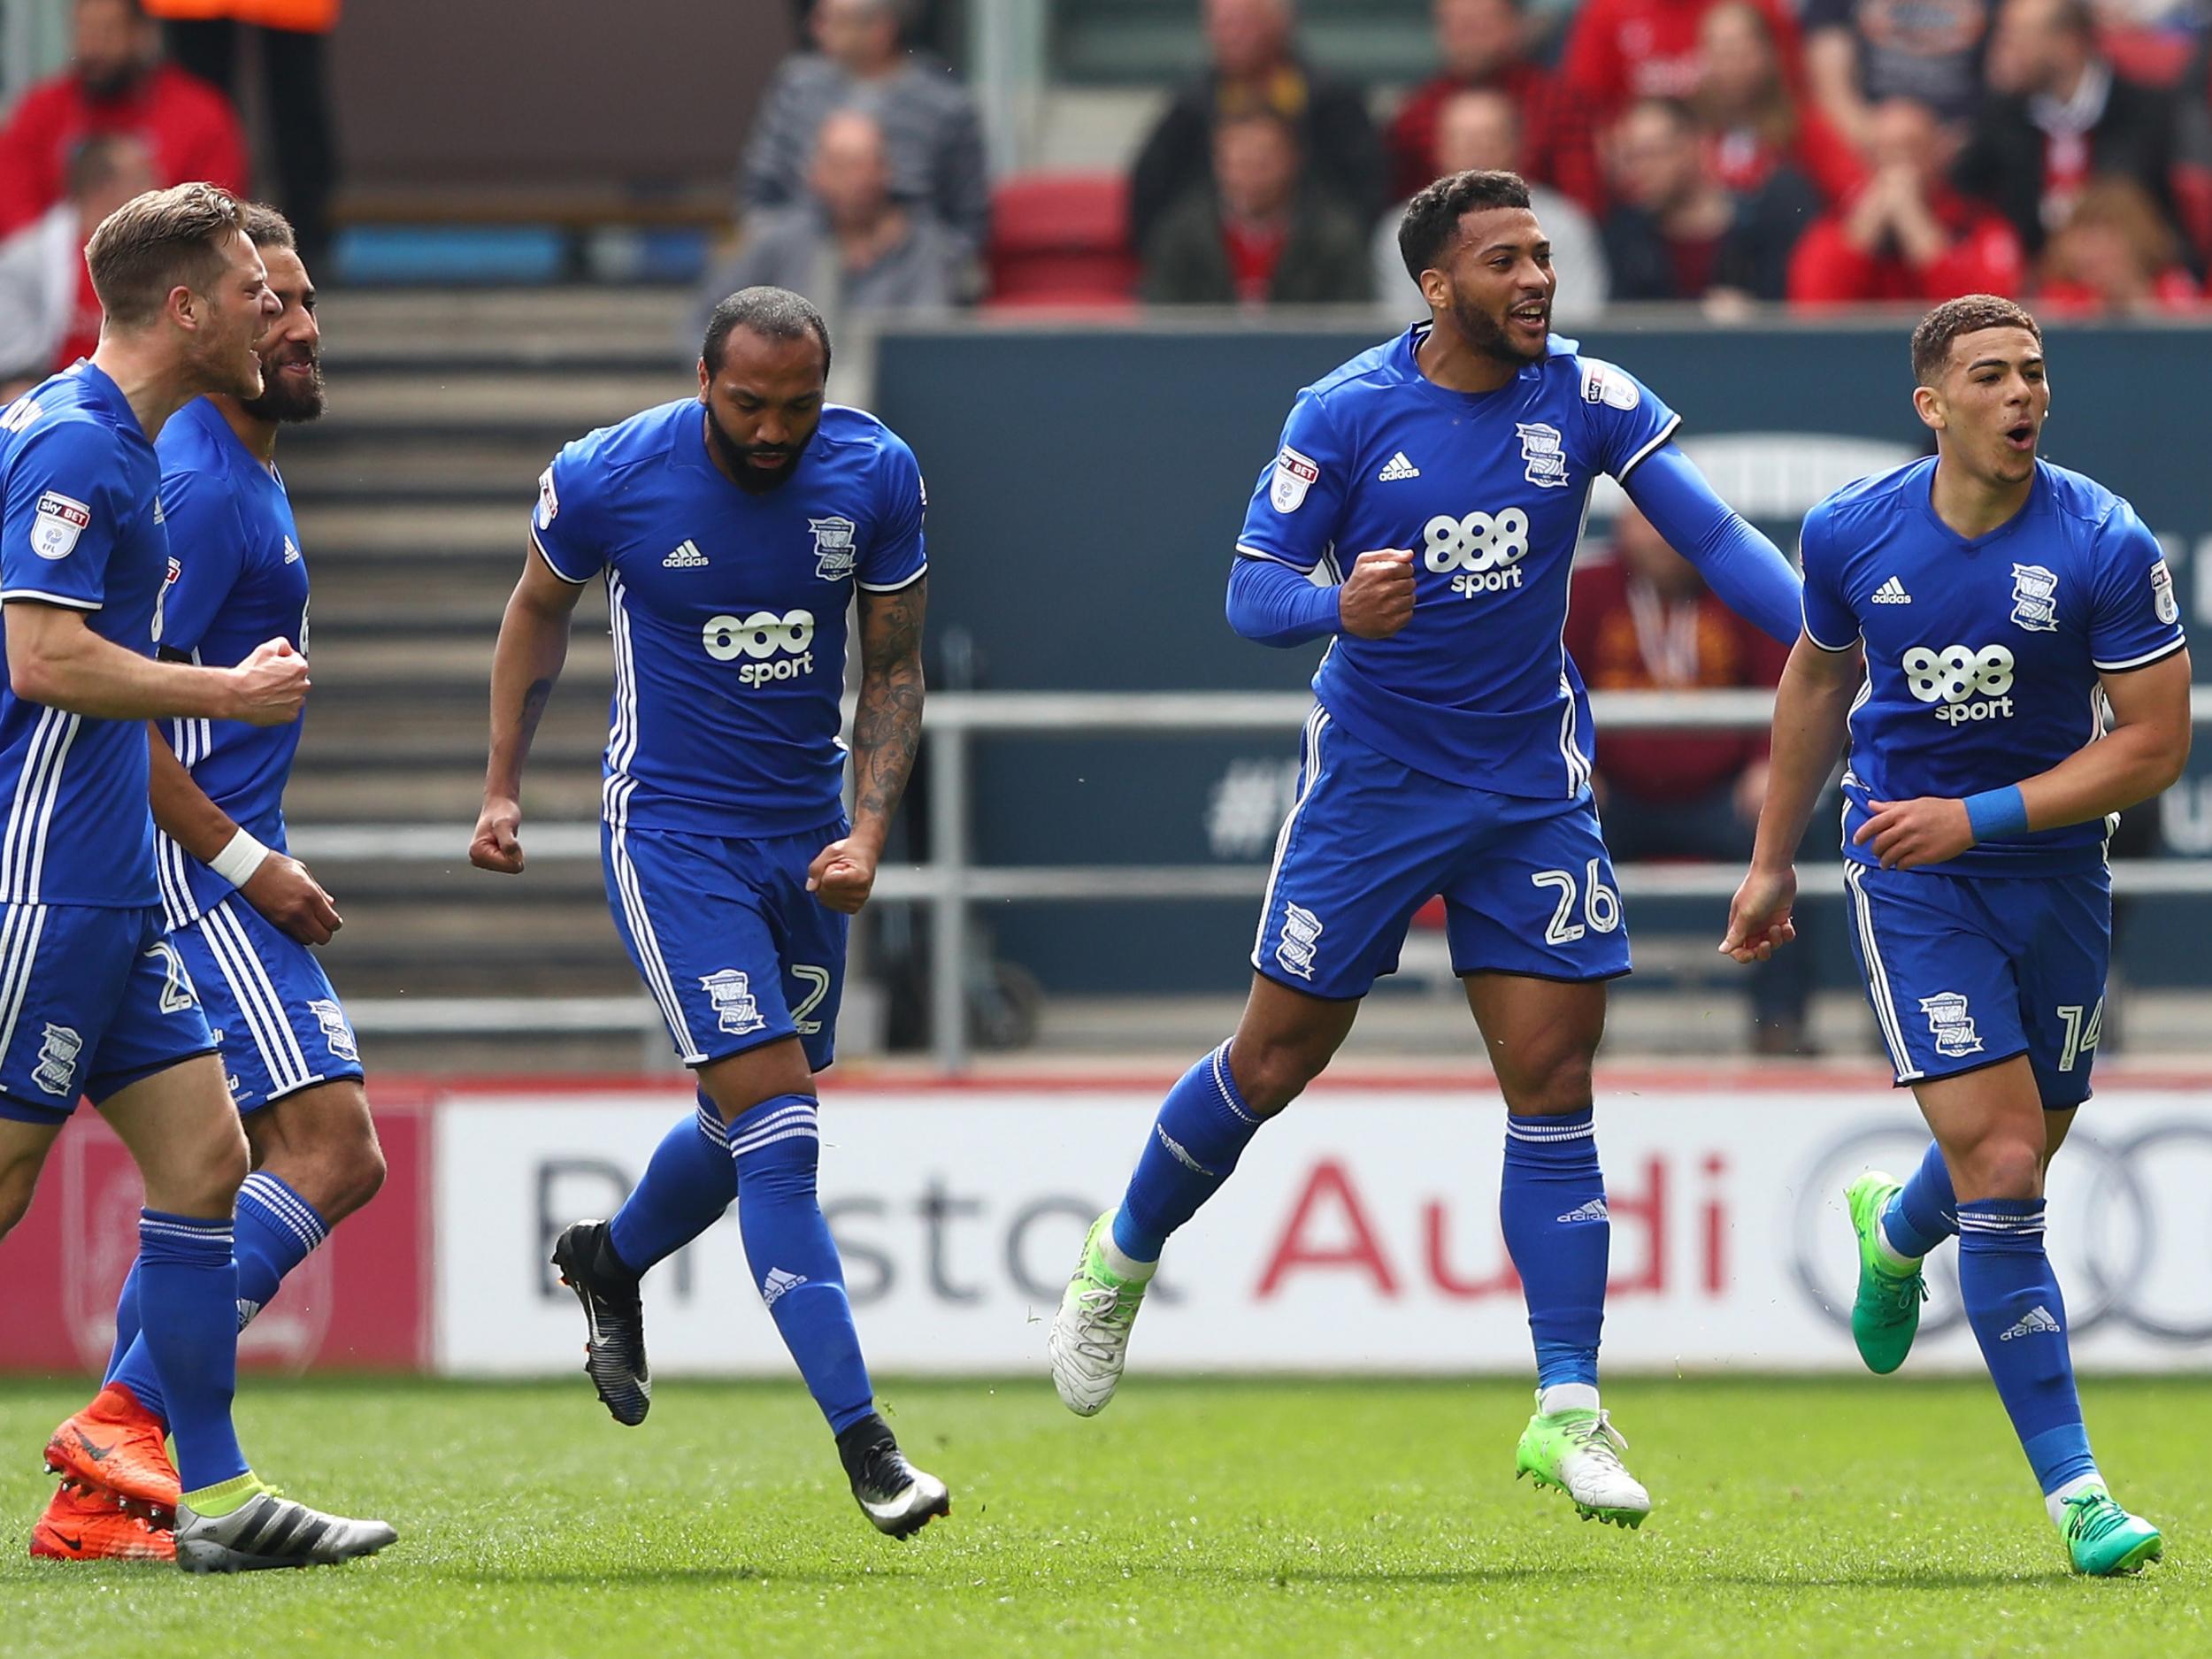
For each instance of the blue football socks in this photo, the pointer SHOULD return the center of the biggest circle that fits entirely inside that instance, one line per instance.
(1201, 1130)
(776, 1149)
(2013, 1302)
(1924, 1212)
(686, 1187)
(1552, 1205)
(275, 1229)
(187, 1301)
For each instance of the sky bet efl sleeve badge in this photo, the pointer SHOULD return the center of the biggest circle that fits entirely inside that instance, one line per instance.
(2162, 600)
(61, 519)
(1294, 475)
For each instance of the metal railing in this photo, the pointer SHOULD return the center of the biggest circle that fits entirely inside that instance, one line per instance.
(950, 882)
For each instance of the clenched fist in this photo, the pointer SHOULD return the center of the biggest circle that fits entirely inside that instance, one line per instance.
(269, 687)
(1377, 598)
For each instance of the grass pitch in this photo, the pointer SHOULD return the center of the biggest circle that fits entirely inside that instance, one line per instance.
(1192, 1519)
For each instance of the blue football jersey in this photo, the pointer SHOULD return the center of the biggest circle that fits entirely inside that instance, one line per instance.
(1489, 490)
(81, 525)
(1982, 654)
(728, 609)
(237, 581)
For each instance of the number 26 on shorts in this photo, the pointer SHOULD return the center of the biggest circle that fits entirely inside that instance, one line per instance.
(1600, 905)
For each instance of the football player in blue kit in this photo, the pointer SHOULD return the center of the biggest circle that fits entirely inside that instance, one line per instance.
(94, 998)
(732, 530)
(1423, 510)
(1967, 621)
(243, 914)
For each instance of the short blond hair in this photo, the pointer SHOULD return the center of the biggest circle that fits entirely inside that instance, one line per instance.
(158, 242)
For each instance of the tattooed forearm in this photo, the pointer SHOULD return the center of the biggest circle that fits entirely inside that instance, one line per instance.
(533, 702)
(888, 725)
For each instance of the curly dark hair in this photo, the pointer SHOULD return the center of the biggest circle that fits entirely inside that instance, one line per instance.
(1431, 227)
(1969, 314)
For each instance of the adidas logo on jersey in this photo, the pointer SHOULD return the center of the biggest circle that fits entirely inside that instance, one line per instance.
(1891, 593)
(773, 1287)
(687, 557)
(1398, 467)
(2039, 1322)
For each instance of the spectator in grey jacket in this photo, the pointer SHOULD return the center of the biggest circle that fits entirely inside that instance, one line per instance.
(933, 138)
(1257, 236)
(848, 246)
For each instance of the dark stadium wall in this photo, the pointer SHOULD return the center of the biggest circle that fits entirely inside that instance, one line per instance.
(551, 92)
(1086, 490)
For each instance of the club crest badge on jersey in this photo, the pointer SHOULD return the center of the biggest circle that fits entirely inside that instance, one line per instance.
(1294, 475)
(2035, 598)
(2162, 600)
(336, 1032)
(1951, 1024)
(731, 992)
(834, 553)
(57, 1069)
(61, 520)
(1543, 449)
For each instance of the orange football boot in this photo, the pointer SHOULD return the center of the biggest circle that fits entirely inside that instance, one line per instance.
(116, 1445)
(79, 1525)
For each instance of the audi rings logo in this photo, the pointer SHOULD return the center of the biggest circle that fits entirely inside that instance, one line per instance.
(2129, 1231)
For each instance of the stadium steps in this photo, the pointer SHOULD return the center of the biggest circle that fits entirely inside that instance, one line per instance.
(413, 496)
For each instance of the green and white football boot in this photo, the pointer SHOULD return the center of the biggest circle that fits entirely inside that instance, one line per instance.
(1580, 1453)
(1090, 1343)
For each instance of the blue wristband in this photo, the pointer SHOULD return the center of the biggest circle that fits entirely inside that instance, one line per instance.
(1998, 815)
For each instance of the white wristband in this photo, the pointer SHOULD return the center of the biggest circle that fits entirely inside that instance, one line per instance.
(237, 862)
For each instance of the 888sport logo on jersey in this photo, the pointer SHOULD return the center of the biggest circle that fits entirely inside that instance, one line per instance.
(1481, 552)
(766, 645)
(1961, 683)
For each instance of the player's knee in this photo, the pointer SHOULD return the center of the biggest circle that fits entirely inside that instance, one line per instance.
(204, 1179)
(1543, 1085)
(1272, 1074)
(2000, 1166)
(18, 1181)
(356, 1175)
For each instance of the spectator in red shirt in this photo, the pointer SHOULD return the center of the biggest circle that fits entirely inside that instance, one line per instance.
(1643, 619)
(1906, 235)
(1621, 50)
(2114, 256)
(1483, 46)
(115, 85)
(1677, 235)
(1754, 124)
(1257, 237)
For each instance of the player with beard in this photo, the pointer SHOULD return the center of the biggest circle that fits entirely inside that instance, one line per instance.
(243, 914)
(95, 999)
(732, 530)
(1450, 754)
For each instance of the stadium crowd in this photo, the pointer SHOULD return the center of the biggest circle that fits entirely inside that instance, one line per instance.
(1717, 152)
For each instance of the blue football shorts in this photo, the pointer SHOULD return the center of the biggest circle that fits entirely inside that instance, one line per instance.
(278, 1024)
(1963, 972)
(734, 949)
(1527, 884)
(91, 1001)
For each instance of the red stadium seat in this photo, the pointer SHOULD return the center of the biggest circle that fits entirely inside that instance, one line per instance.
(1061, 240)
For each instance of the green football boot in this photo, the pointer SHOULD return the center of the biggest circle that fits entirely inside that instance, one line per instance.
(1580, 1453)
(1089, 1343)
(2105, 1540)
(1885, 1313)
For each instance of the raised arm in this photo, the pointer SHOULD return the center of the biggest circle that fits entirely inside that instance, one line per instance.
(526, 662)
(1741, 565)
(54, 657)
(886, 731)
(1812, 716)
